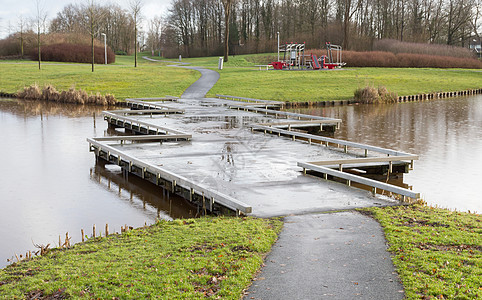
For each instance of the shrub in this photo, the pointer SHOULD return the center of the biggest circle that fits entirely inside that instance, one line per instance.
(402, 60)
(66, 52)
(370, 94)
(120, 52)
(49, 93)
(30, 92)
(395, 46)
(386, 96)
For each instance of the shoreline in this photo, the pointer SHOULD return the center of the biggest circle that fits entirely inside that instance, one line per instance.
(308, 104)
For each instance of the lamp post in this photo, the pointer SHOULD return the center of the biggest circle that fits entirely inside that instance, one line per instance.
(278, 46)
(105, 48)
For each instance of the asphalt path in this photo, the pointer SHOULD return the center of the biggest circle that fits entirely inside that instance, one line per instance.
(328, 256)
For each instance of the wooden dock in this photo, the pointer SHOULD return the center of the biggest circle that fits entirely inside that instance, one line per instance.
(136, 126)
(202, 195)
(355, 160)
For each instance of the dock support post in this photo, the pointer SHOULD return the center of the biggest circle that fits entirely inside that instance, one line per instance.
(374, 191)
(304, 171)
(204, 204)
(345, 149)
(325, 176)
(366, 152)
(348, 182)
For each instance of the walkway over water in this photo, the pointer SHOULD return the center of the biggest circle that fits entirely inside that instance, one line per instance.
(217, 149)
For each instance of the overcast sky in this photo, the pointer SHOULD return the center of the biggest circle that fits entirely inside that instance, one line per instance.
(12, 10)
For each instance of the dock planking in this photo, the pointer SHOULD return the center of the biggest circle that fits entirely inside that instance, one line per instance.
(224, 154)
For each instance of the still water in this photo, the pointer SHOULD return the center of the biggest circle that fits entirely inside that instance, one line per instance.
(446, 134)
(50, 184)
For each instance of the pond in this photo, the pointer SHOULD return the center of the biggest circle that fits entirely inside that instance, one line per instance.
(50, 183)
(445, 133)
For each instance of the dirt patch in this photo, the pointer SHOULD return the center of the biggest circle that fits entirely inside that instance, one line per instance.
(455, 248)
(39, 295)
(410, 222)
(241, 248)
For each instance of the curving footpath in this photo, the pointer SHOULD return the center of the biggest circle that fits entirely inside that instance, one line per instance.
(341, 255)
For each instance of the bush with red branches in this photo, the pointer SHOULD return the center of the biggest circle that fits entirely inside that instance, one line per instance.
(402, 60)
(66, 52)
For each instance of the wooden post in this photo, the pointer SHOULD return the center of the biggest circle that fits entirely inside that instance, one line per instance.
(60, 242)
(106, 230)
(93, 231)
(82, 234)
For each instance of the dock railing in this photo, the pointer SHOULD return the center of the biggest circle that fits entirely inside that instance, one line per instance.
(362, 180)
(211, 196)
(131, 123)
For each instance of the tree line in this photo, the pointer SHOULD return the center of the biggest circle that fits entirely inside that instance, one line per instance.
(198, 27)
(195, 27)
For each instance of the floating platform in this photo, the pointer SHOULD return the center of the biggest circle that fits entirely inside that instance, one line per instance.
(251, 160)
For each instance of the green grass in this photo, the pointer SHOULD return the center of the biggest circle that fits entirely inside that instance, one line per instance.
(120, 79)
(248, 60)
(239, 77)
(340, 84)
(437, 252)
(182, 259)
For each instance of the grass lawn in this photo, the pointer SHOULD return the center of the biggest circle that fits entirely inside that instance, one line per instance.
(121, 79)
(437, 252)
(182, 259)
(239, 77)
(340, 84)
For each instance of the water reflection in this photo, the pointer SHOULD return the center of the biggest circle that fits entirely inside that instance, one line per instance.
(46, 187)
(140, 193)
(446, 134)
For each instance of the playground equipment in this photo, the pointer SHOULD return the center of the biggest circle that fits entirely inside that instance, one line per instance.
(331, 64)
(294, 57)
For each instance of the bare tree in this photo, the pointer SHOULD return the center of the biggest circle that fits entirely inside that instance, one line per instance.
(154, 34)
(136, 6)
(21, 29)
(93, 15)
(227, 11)
(39, 21)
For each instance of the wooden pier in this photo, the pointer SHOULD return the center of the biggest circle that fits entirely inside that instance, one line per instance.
(355, 160)
(136, 126)
(205, 197)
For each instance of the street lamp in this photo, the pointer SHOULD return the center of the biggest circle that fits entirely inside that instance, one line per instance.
(278, 46)
(105, 48)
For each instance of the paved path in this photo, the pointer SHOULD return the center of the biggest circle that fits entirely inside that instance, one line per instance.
(339, 255)
(201, 87)
(328, 256)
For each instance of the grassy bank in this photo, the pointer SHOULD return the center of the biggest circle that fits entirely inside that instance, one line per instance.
(120, 79)
(239, 77)
(437, 252)
(183, 259)
(340, 84)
